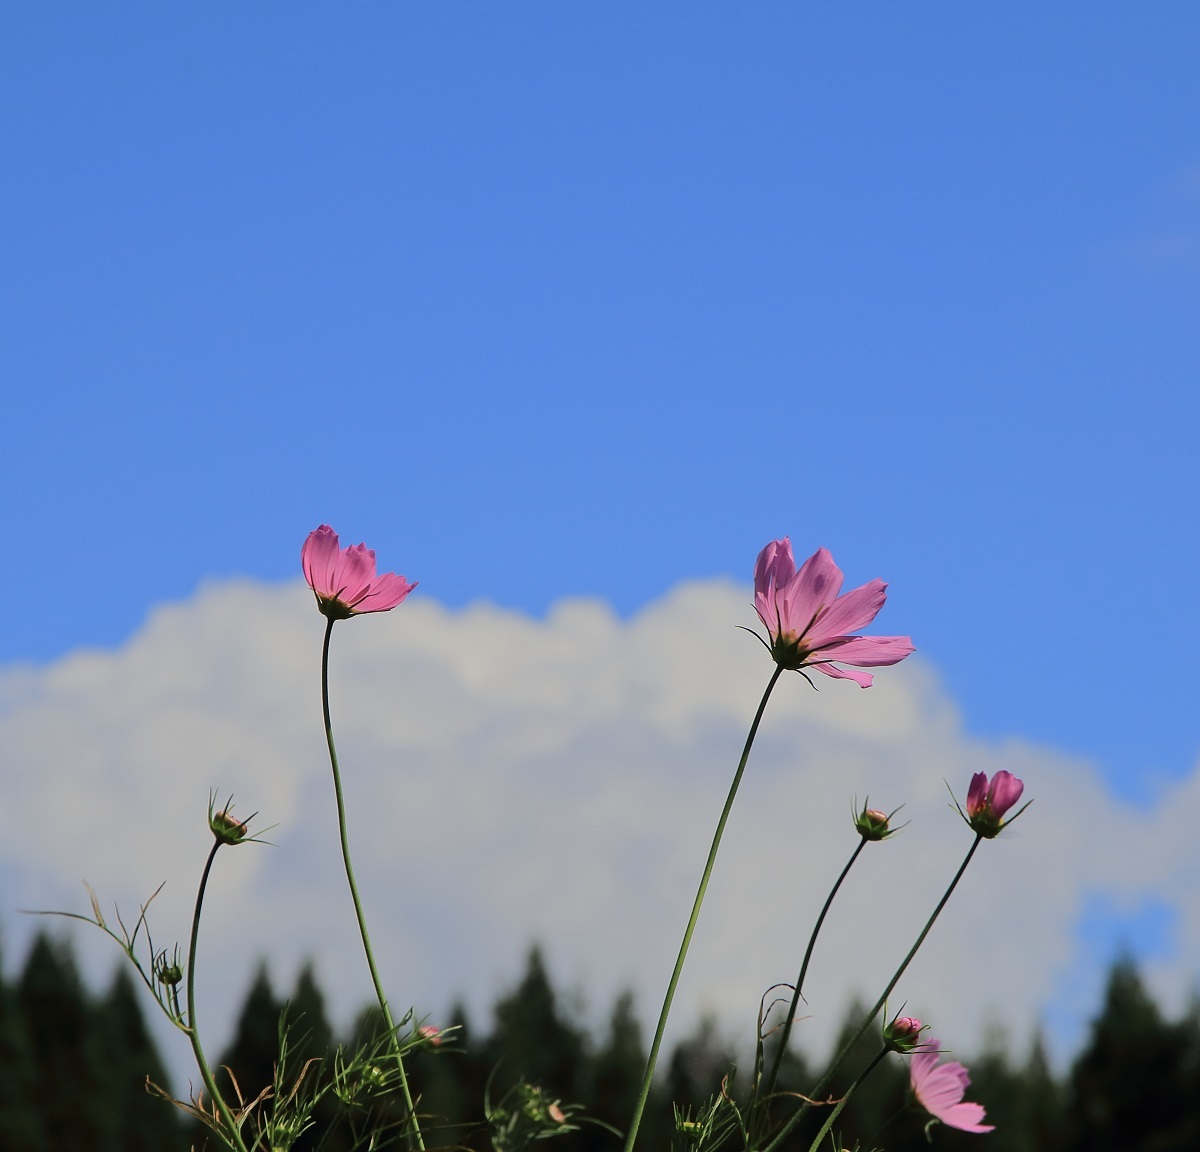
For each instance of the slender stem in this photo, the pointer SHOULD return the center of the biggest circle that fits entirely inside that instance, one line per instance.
(644, 1092)
(812, 940)
(414, 1129)
(815, 1145)
(798, 1115)
(192, 1030)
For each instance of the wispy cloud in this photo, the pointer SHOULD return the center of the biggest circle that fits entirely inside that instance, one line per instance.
(511, 779)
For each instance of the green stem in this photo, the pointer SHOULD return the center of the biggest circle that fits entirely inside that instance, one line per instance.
(812, 940)
(192, 1030)
(798, 1115)
(815, 1145)
(644, 1092)
(414, 1129)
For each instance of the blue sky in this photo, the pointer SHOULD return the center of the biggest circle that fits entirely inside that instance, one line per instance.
(546, 300)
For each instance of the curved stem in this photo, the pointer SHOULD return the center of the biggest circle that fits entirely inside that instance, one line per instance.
(798, 1115)
(194, 1032)
(812, 940)
(414, 1129)
(644, 1091)
(815, 1145)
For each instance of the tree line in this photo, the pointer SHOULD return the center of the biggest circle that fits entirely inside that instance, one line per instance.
(74, 1068)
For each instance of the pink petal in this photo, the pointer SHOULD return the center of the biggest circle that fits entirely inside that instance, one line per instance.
(868, 651)
(355, 573)
(862, 679)
(923, 1062)
(849, 613)
(1005, 792)
(814, 587)
(977, 793)
(318, 558)
(774, 566)
(772, 571)
(966, 1117)
(940, 1088)
(387, 591)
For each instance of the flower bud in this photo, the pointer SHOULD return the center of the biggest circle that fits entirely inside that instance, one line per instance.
(872, 824)
(903, 1034)
(227, 828)
(989, 802)
(169, 973)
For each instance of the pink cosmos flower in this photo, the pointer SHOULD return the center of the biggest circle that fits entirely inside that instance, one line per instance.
(940, 1089)
(344, 579)
(987, 804)
(811, 624)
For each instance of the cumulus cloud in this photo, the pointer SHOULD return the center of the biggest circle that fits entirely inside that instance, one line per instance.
(511, 780)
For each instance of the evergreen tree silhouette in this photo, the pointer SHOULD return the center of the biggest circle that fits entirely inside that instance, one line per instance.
(21, 1123)
(1129, 1089)
(531, 1039)
(616, 1075)
(138, 1121)
(67, 1091)
(252, 1055)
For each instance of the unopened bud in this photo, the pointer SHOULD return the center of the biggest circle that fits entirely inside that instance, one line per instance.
(903, 1034)
(227, 828)
(871, 824)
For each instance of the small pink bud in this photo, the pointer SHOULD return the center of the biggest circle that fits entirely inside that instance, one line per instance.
(430, 1035)
(556, 1114)
(873, 824)
(227, 828)
(903, 1034)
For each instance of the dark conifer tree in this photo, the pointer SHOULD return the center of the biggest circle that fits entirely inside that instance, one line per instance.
(616, 1075)
(698, 1066)
(21, 1122)
(1128, 1089)
(252, 1055)
(310, 1055)
(67, 1089)
(139, 1121)
(532, 1040)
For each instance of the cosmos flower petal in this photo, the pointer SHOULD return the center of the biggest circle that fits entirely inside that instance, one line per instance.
(1005, 791)
(849, 613)
(319, 557)
(773, 569)
(862, 679)
(814, 587)
(939, 1088)
(869, 651)
(966, 1117)
(977, 793)
(387, 591)
(355, 573)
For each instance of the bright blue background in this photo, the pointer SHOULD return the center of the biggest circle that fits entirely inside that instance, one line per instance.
(554, 299)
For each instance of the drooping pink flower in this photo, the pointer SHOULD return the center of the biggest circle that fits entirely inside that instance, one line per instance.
(344, 579)
(811, 624)
(940, 1089)
(988, 804)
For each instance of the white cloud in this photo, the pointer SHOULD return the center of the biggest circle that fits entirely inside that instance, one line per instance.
(510, 780)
